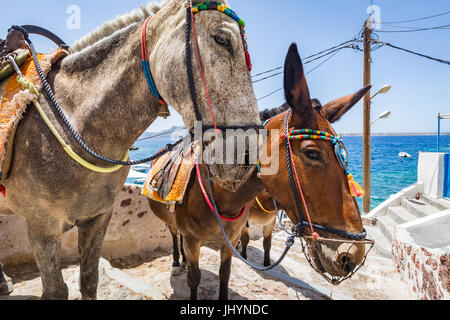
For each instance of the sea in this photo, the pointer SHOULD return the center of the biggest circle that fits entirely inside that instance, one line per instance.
(390, 173)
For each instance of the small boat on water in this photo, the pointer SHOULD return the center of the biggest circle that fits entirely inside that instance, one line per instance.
(405, 155)
(144, 168)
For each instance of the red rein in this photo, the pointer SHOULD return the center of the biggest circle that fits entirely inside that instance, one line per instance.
(205, 196)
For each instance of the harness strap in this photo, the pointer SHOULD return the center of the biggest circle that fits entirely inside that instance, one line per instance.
(210, 205)
(27, 84)
(290, 160)
(146, 63)
(200, 65)
(31, 29)
(262, 207)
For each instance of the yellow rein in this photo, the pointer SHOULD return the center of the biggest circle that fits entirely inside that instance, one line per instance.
(262, 208)
(27, 84)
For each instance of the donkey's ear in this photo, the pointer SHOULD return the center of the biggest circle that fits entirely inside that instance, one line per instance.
(295, 86)
(334, 110)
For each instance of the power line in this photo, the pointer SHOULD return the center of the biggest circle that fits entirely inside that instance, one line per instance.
(415, 30)
(404, 27)
(162, 134)
(335, 50)
(268, 77)
(309, 57)
(268, 71)
(323, 62)
(412, 52)
(424, 18)
(315, 68)
(272, 93)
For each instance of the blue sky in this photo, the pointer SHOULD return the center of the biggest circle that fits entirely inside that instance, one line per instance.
(421, 87)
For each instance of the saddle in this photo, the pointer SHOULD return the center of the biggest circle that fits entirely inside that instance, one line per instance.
(169, 175)
(14, 99)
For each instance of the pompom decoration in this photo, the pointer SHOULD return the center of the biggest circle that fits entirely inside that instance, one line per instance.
(355, 188)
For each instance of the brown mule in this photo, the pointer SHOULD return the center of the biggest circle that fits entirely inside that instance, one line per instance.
(198, 225)
(319, 172)
(169, 219)
(323, 181)
(262, 214)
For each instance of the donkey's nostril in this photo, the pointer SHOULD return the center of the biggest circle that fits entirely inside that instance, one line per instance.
(346, 264)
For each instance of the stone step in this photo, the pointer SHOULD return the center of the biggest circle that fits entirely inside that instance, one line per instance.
(440, 204)
(419, 208)
(400, 215)
(383, 246)
(386, 225)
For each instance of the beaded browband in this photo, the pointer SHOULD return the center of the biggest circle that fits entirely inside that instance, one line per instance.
(339, 148)
(219, 6)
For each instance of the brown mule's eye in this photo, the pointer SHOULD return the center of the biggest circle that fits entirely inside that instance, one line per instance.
(313, 155)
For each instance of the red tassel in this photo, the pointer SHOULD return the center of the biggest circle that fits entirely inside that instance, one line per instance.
(248, 60)
(3, 189)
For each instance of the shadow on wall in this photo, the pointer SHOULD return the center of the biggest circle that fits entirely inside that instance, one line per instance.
(133, 230)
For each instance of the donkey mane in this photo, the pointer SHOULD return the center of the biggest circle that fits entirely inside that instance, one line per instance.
(120, 22)
(268, 114)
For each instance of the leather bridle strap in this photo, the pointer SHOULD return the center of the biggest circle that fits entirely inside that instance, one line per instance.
(302, 223)
(190, 25)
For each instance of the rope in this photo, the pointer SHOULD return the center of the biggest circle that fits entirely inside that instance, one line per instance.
(279, 216)
(210, 205)
(289, 170)
(76, 136)
(291, 154)
(262, 207)
(289, 243)
(27, 84)
(190, 74)
(200, 66)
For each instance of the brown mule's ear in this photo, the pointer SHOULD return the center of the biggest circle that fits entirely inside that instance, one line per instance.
(295, 86)
(334, 110)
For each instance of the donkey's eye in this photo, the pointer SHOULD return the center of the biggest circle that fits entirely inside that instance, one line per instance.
(313, 155)
(223, 41)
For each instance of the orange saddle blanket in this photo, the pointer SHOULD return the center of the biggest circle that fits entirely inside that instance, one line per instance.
(14, 101)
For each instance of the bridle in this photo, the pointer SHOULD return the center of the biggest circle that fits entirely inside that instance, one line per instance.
(294, 181)
(191, 10)
(26, 30)
(298, 229)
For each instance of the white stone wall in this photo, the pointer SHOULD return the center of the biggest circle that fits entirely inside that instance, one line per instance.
(431, 171)
(426, 272)
(133, 230)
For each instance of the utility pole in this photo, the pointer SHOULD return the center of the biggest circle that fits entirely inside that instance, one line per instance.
(366, 121)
